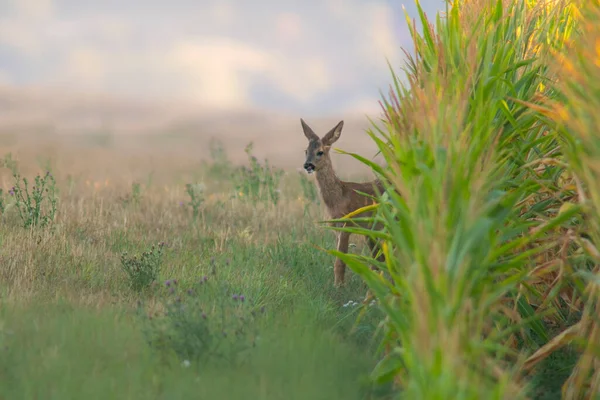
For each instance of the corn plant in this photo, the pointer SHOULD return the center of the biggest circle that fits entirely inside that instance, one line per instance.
(572, 110)
(473, 208)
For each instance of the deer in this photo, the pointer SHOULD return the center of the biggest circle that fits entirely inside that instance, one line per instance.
(340, 197)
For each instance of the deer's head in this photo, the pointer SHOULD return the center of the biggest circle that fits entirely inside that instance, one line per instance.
(317, 152)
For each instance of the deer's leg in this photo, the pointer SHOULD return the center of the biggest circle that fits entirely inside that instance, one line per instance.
(339, 268)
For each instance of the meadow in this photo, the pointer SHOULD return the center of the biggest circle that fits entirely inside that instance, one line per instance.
(75, 323)
(135, 269)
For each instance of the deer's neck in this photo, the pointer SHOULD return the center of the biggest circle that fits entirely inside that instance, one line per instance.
(329, 185)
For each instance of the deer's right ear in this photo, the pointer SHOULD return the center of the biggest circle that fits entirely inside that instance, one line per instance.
(333, 135)
(308, 132)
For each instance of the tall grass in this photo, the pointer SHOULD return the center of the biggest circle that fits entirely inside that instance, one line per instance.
(480, 230)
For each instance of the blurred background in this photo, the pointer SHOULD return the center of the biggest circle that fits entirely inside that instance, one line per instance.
(237, 70)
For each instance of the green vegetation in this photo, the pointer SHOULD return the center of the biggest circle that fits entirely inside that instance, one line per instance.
(486, 211)
(490, 288)
(180, 293)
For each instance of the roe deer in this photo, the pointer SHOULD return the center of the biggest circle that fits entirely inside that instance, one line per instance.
(340, 198)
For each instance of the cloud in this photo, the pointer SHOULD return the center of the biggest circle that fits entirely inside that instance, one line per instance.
(34, 9)
(217, 69)
(226, 53)
(289, 27)
(4, 78)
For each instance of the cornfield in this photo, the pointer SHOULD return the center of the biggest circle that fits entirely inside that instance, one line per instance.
(491, 212)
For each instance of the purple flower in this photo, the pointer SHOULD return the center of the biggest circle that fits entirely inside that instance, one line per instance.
(235, 297)
(181, 203)
(242, 298)
(205, 278)
(168, 283)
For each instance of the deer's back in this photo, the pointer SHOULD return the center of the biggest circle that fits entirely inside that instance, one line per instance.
(353, 197)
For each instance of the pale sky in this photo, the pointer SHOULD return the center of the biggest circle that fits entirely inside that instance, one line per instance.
(311, 56)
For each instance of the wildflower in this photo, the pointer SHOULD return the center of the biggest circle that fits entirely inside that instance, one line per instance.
(242, 298)
(205, 278)
(235, 297)
(168, 283)
(186, 363)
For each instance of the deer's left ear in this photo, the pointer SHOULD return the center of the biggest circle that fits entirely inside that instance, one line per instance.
(333, 135)
(308, 132)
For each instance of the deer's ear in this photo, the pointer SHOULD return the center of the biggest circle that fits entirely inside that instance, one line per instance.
(333, 135)
(308, 132)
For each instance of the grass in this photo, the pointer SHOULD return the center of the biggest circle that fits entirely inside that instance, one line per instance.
(70, 325)
(64, 351)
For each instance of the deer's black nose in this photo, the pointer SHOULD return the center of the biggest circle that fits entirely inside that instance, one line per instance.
(309, 167)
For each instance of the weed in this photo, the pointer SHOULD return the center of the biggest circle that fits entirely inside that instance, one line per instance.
(2, 202)
(309, 189)
(36, 208)
(196, 193)
(10, 163)
(220, 167)
(206, 321)
(135, 196)
(144, 269)
(258, 183)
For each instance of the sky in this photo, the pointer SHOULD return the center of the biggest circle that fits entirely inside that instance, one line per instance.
(310, 56)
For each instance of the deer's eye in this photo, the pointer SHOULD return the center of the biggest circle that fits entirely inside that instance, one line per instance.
(319, 153)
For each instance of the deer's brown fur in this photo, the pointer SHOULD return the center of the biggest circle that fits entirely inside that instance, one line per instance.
(340, 197)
